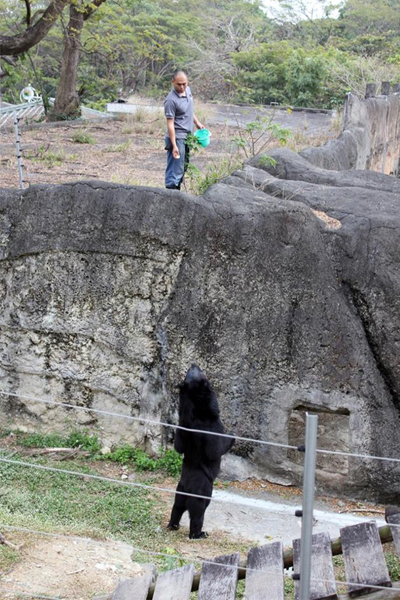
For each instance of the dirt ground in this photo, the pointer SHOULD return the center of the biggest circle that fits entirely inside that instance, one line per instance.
(128, 151)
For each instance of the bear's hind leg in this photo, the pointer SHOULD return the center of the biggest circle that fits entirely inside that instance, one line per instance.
(197, 508)
(178, 509)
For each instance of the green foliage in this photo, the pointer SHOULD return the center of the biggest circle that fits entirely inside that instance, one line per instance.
(393, 565)
(233, 50)
(169, 461)
(170, 560)
(256, 136)
(289, 588)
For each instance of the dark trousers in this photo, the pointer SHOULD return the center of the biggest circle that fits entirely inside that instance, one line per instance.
(176, 167)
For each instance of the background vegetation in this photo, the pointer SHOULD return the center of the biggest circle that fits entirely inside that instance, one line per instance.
(233, 49)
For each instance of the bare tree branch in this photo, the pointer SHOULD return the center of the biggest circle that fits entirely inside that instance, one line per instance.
(28, 13)
(14, 45)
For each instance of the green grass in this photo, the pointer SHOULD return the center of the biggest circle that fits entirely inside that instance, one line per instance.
(81, 137)
(8, 557)
(169, 461)
(56, 501)
(118, 147)
(47, 156)
(76, 439)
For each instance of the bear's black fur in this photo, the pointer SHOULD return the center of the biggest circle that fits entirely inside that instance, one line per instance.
(198, 409)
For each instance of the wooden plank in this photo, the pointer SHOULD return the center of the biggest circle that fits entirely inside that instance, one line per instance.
(264, 580)
(381, 595)
(363, 557)
(136, 588)
(394, 519)
(322, 584)
(174, 585)
(219, 581)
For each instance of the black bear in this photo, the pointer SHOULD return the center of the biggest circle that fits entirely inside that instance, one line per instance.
(198, 409)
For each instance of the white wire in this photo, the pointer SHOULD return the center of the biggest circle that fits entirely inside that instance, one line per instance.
(354, 455)
(144, 420)
(28, 595)
(121, 482)
(49, 534)
(225, 435)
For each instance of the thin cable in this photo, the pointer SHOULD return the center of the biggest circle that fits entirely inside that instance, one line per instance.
(367, 456)
(110, 480)
(225, 435)
(49, 534)
(28, 595)
(144, 420)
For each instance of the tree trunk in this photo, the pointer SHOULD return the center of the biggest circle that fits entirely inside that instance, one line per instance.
(66, 105)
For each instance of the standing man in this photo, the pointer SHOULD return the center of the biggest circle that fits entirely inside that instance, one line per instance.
(178, 108)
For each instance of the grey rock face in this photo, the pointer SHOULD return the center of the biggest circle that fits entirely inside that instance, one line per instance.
(109, 293)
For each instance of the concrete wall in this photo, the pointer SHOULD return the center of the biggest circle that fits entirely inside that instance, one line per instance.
(370, 138)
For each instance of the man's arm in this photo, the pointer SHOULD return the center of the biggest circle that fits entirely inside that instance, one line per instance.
(197, 123)
(171, 135)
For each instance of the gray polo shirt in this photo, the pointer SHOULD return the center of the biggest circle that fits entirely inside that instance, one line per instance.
(180, 108)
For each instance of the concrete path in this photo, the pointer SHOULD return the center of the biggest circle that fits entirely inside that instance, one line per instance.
(264, 520)
(305, 121)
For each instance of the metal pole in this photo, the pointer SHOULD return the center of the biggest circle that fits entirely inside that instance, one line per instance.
(308, 505)
(18, 145)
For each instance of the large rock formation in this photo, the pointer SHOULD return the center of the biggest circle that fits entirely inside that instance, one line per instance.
(282, 282)
(108, 293)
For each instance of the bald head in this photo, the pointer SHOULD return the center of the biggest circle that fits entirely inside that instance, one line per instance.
(179, 81)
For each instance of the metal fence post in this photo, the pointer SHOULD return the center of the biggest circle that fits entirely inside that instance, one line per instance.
(18, 146)
(308, 505)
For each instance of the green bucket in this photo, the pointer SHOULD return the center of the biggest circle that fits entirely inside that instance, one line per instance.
(203, 136)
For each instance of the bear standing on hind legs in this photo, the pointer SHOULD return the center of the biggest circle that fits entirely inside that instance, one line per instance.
(198, 409)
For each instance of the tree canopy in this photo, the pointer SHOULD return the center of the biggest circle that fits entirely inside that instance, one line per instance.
(233, 50)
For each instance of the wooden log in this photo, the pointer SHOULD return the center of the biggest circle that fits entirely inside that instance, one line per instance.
(379, 595)
(7, 543)
(135, 588)
(264, 580)
(322, 583)
(394, 519)
(219, 581)
(174, 585)
(385, 88)
(363, 557)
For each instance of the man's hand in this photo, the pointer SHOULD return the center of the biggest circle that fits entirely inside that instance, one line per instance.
(175, 151)
(199, 125)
